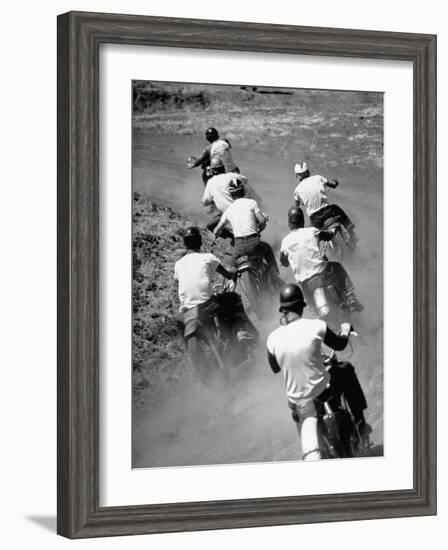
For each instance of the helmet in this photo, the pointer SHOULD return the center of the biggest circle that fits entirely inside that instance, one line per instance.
(301, 168)
(192, 237)
(295, 217)
(236, 188)
(211, 134)
(291, 298)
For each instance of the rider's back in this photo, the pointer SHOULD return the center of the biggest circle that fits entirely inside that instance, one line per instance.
(297, 349)
(313, 193)
(218, 190)
(194, 273)
(220, 155)
(301, 246)
(241, 215)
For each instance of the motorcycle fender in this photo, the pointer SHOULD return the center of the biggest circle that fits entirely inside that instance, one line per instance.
(244, 267)
(243, 264)
(191, 327)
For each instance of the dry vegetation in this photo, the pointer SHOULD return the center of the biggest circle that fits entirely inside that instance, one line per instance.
(158, 352)
(343, 126)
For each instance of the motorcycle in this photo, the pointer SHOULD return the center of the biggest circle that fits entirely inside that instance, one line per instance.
(327, 300)
(211, 334)
(342, 241)
(338, 434)
(256, 284)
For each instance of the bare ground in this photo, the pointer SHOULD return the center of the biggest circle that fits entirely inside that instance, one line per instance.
(176, 421)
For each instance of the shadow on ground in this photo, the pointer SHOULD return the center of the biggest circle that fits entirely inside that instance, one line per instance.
(46, 522)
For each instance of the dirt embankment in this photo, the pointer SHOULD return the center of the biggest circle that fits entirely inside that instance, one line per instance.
(158, 353)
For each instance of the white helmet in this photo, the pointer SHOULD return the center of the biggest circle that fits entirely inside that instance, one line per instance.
(300, 168)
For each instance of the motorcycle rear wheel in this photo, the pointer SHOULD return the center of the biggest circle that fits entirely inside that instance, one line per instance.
(252, 291)
(205, 357)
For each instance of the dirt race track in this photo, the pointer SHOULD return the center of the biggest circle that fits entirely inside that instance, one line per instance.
(248, 420)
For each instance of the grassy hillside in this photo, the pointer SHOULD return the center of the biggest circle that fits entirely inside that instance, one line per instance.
(317, 124)
(159, 358)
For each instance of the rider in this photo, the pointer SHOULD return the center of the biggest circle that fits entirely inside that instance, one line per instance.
(295, 349)
(300, 249)
(217, 154)
(247, 220)
(194, 273)
(312, 192)
(217, 193)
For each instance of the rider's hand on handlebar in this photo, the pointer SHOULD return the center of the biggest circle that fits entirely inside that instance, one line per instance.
(346, 329)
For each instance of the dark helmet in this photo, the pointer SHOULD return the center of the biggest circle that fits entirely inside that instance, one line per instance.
(236, 188)
(291, 298)
(211, 134)
(295, 217)
(192, 238)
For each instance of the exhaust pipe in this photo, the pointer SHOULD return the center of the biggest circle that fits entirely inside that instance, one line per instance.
(320, 301)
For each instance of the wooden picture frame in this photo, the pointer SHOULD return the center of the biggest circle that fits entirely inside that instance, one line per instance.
(79, 38)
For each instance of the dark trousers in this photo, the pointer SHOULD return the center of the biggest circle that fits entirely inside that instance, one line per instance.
(345, 382)
(336, 274)
(253, 246)
(333, 274)
(319, 218)
(229, 309)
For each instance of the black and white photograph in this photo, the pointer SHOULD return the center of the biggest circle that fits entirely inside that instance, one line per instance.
(257, 274)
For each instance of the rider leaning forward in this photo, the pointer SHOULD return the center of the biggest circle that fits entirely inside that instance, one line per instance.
(311, 191)
(300, 250)
(295, 350)
(217, 195)
(246, 221)
(194, 273)
(216, 154)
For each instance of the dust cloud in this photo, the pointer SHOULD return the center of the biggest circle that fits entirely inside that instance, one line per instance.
(247, 420)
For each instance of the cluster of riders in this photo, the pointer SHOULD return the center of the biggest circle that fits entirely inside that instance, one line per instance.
(295, 347)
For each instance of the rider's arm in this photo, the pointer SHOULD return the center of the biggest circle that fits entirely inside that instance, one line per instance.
(227, 273)
(284, 260)
(332, 183)
(339, 341)
(261, 218)
(203, 159)
(273, 363)
(220, 225)
(297, 196)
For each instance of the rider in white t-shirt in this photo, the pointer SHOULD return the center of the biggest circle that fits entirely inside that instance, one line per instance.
(217, 190)
(295, 349)
(195, 271)
(311, 191)
(247, 221)
(218, 197)
(300, 250)
(216, 155)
